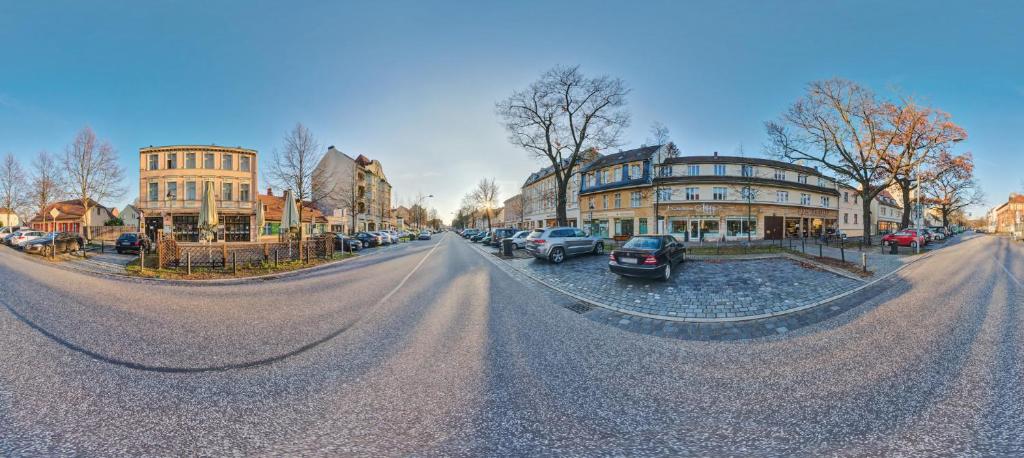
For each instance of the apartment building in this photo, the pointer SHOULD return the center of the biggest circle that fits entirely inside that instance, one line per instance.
(354, 188)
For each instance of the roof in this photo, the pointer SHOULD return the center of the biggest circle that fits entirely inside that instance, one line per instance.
(152, 148)
(638, 154)
(543, 173)
(885, 198)
(69, 209)
(743, 160)
(274, 208)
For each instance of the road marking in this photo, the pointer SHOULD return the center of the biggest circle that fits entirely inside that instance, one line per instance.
(414, 269)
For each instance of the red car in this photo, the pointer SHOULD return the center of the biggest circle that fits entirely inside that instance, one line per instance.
(908, 237)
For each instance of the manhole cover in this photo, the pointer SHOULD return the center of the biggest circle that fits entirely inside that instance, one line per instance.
(579, 307)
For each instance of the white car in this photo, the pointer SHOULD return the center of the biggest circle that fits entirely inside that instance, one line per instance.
(519, 239)
(22, 237)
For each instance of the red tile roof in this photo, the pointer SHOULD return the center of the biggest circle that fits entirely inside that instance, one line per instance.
(273, 208)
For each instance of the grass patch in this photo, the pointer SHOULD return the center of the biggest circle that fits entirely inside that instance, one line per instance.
(208, 273)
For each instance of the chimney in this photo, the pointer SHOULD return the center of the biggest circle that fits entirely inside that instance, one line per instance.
(270, 191)
(716, 153)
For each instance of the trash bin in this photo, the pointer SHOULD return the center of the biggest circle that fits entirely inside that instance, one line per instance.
(893, 248)
(506, 247)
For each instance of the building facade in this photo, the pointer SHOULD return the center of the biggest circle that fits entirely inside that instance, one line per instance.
(356, 186)
(1009, 217)
(886, 214)
(8, 217)
(71, 217)
(716, 197)
(312, 220)
(540, 194)
(615, 192)
(851, 211)
(513, 215)
(172, 180)
(130, 216)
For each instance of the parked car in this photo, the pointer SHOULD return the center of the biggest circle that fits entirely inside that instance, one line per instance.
(368, 239)
(8, 230)
(469, 233)
(424, 235)
(62, 242)
(344, 243)
(385, 239)
(500, 234)
(20, 238)
(519, 239)
(556, 243)
(909, 237)
(940, 232)
(133, 242)
(478, 236)
(647, 256)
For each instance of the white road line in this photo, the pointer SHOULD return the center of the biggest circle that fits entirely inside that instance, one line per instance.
(414, 269)
(1019, 285)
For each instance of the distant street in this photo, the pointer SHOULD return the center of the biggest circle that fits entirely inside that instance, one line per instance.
(429, 348)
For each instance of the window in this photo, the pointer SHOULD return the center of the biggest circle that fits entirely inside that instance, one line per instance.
(854, 218)
(172, 190)
(208, 162)
(738, 226)
(780, 174)
(782, 196)
(190, 160)
(846, 197)
(172, 161)
(643, 226)
(154, 161)
(190, 190)
(604, 201)
(591, 204)
(748, 171)
(154, 192)
(854, 198)
(227, 162)
(747, 193)
(805, 199)
(243, 192)
(604, 176)
(634, 199)
(634, 171)
(846, 218)
(822, 182)
(693, 170)
(618, 200)
(226, 192)
(243, 163)
(665, 194)
(665, 171)
(826, 202)
(801, 179)
(718, 193)
(720, 169)
(692, 193)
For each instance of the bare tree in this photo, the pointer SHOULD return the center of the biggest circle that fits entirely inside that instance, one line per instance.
(660, 136)
(485, 198)
(91, 170)
(45, 182)
(955, 188)
(293, 166)
(841, 126)
(563, 115)
(12, 186)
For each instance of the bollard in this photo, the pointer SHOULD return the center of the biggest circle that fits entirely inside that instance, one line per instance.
(842, 252)
(142, 260)
(188, 263)
(275, 257)
(820, 254)
(803, 244)
(234, 265)
(864, 261)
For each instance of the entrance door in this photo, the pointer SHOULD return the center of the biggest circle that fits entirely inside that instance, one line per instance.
(694, 229)
(773, 227)
(154, 224)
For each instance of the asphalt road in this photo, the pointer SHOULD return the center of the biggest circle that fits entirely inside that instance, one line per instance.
(429, 349)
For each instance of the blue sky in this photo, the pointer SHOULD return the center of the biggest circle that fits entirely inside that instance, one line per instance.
(414, 83)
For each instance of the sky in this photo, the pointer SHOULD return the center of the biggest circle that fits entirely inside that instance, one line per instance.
(413, 84)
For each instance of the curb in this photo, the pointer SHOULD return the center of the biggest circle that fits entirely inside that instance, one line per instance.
(711, 320)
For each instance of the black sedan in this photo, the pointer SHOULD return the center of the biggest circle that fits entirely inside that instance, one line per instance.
(61, 242)
(368, 240)
(347, 244)
(647, 256)
(132, 242)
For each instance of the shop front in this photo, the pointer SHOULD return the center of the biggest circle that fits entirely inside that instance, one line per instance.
(727, 222)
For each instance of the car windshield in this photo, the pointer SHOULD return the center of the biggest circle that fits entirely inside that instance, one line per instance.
(643, 243)
(521, 234)
(128, 237)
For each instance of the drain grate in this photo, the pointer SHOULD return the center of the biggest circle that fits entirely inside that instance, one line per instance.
(579, 307)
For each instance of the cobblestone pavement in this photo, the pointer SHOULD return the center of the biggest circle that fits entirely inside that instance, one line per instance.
(702, 290)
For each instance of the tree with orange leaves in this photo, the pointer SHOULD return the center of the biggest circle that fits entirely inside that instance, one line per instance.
(922, 135)
(950, 186)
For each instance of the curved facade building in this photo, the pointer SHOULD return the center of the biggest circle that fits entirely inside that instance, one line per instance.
(728, 197)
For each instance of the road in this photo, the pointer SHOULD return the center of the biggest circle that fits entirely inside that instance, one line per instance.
(427, 348)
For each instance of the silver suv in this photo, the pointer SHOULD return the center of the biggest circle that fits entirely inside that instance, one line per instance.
(555, 243)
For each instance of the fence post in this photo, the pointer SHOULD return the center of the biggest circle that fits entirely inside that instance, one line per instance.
(276, 252)
(842, 250)
(234, 264)
(142, 260)
(103, 246)
(224, 255)
(864, 261)
(803, 244)
(820, 253)
(188, 263)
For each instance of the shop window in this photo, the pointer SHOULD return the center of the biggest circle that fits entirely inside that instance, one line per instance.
(643, 226)
(740, 226)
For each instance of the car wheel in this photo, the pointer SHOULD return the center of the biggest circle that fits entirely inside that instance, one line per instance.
(668, 272)
(557, 255)
(599, 248)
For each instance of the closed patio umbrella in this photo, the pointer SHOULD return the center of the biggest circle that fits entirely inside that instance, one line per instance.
(208, 210)
(290, 213)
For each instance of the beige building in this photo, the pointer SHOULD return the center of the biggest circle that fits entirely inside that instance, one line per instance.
(8, 218)
(171, 184)
(886, 214)
(355, 186)
(513, 214)
(1009, 217)
(851, 211)
(540, 192)
(616, 192)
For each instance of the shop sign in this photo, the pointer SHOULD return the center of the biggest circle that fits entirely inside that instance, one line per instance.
(703, 209)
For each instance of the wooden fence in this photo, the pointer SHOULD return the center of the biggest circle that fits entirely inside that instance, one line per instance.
(172, 254)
